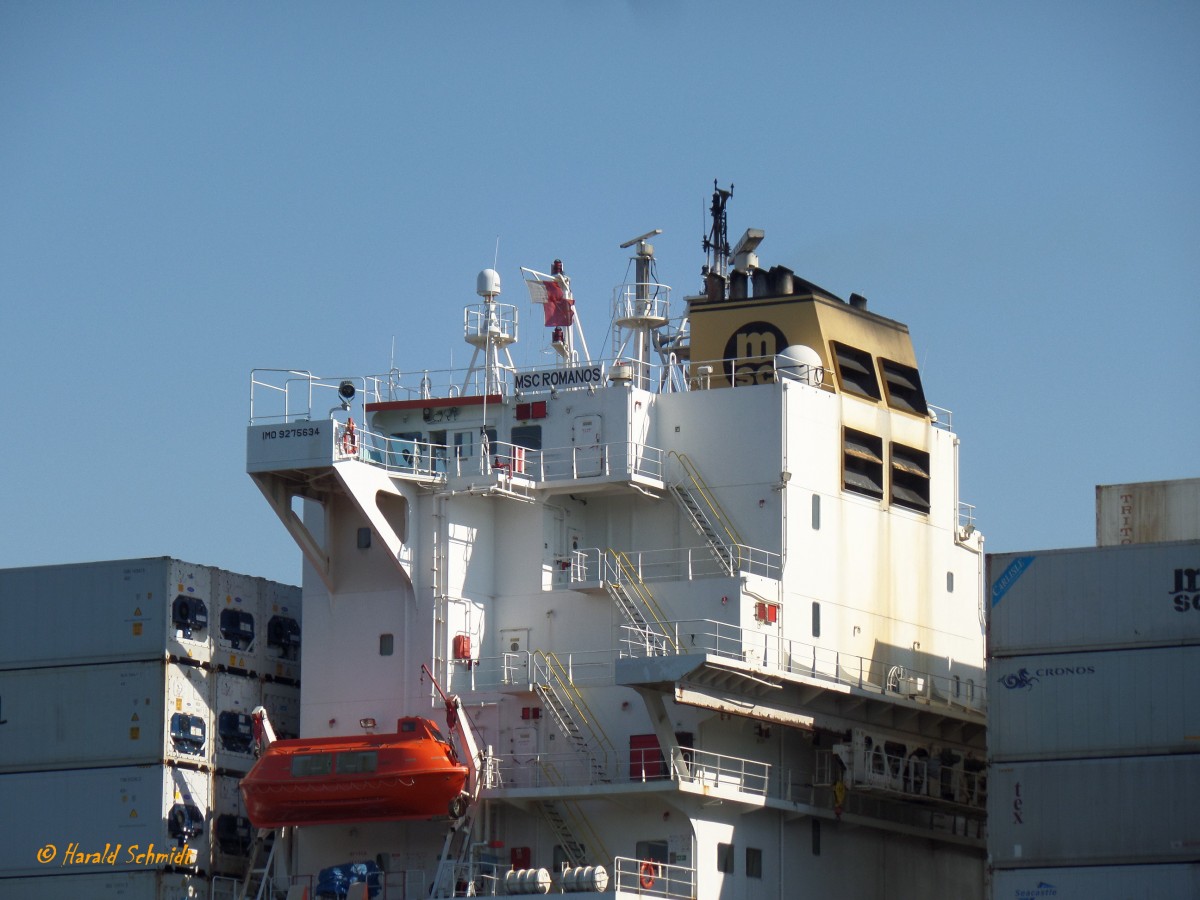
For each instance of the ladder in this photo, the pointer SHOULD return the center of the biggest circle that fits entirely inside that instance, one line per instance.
(578, 724)
(258, 878)
(637, 604)
(706, 515)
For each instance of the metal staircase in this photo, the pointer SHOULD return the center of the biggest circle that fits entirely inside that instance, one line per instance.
(455, 863)
(633, 597)
(258, 878)
(566, 821)
(706, 515)
(553, 685)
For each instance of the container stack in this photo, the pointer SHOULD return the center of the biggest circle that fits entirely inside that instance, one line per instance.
(1094, 722)
(126, 693)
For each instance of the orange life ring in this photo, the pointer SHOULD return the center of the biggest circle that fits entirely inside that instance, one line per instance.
(350, 439)
(646, 874)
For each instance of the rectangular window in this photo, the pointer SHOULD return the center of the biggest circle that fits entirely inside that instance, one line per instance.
(527, 436)
(862, 463)
(386, 642)
(725, 858)
(910, 478)
(357, 761)
(816, 619)
(856, 371)
(753, 862)
(904, 391)
(816, 512)
(309, 764)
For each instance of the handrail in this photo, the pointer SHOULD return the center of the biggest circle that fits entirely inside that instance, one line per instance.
(624, 574)
(718, 514)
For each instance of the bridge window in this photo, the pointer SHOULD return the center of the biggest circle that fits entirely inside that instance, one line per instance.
(527, 436)
(856, 371)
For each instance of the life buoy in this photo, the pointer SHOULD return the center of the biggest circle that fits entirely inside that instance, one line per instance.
(646, 874)
(350, 439)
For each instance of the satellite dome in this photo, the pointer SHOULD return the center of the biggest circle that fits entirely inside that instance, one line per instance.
(487, 283)
(802, 363)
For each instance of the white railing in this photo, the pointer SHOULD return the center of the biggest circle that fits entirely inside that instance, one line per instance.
(590, 566)
(649, 878)
(706, 769)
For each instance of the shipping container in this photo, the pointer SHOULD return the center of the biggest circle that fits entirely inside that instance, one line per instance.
(282, 702)
(235, 697)
(281, 611)
(1123, 810)
(118, 611)
(1094, 598)
(232, 833)
(1108, 703)
(104, 820)
(1169, 882)
(238, 629)
(1148, 512)
(113, 714)
(144, 884)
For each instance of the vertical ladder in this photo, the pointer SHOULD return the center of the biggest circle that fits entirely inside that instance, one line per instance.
(456, 855)
(706, 515)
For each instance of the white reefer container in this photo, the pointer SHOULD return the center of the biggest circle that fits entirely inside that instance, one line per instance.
(235, 697)
(1120, 810)
(104, 612)
(232, 833)
(104, 820)
(1169, 882)
(282, 702)
(238, 630)
(145, 884)
(113, 714)
(281, 612)
(1148, 512)
(1107, 703)
(1094, 598)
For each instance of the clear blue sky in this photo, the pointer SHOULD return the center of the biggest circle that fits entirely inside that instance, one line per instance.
(191, 190)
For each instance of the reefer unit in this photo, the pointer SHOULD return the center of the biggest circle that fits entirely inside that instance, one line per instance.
(1148, 512)
(104, 820)
(114, 714)
(145, 884)
(238, 636)
(1094, 598)
(1109, 703)
(282, 702)
(232, 833)
(234, 698)
(281, 614)
(1092, 882)
(1122, 810)
(116, 611)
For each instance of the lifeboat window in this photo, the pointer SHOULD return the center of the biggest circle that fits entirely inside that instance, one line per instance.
(910, 478)
(408, 725)
(856, 371)
(862, 457)
(357, 761)
(904, 389)
(308, 764)
(437, 734)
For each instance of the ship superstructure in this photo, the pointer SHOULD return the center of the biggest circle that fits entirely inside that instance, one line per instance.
(712, 602)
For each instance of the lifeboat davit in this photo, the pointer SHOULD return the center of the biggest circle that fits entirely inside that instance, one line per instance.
(412, 774)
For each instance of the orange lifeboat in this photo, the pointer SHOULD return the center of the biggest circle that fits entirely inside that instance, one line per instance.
(412, 774)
